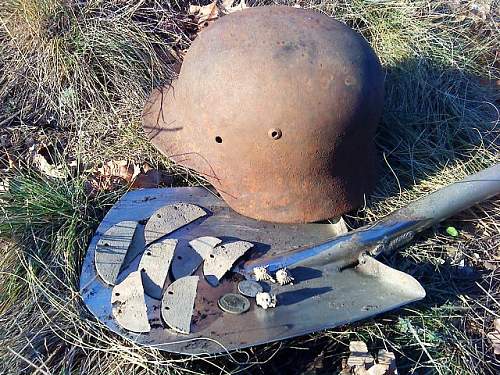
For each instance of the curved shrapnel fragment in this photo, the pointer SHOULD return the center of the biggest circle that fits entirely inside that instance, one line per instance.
(154, 266)
(112, 248)
(169, 218)
(128, 304)
(178, 302)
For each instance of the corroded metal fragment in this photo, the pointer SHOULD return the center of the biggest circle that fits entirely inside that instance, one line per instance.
(154, 266)
(178, 303)
(189, 256)
(170, 218)
(249, 288)
(186, 260)
(234, 303)
(221, 259)
(112, 248)
(129, 306)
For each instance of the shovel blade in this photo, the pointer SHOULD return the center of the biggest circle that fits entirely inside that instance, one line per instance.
(321, 297)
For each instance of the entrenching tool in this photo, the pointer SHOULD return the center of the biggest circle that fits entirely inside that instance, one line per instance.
(336, 282)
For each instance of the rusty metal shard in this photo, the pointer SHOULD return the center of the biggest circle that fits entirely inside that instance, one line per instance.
(222, 258)
(170, 218)
(154, 266)
(129, 307)
(112, 248)
(178, 302)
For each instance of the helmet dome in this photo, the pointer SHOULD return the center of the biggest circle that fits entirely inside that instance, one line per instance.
(277, 107)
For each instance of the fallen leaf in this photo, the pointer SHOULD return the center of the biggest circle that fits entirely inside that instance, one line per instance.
(44, 161)
(361, 362)
(4, 185)
(228, 7)
(120, 168)
(112, 175)
(387, 359)
(116, 174)
(494, 337)
(378, 369)
(204, 14)
(359, 354)
(152, 178)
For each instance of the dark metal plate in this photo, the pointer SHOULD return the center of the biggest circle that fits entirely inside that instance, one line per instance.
(320, 298)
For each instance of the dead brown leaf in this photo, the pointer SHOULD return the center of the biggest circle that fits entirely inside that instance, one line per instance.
(120, 168)
(359, 356)
(42, 158)
(206, 14)
(116, 174)
(112, 175)
(4, 185)
(229, 7)
(151, 178)
(203, 15)
(361, 362)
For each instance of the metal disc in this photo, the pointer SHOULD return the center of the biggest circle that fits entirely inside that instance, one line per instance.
(249, 288)
(234, 303)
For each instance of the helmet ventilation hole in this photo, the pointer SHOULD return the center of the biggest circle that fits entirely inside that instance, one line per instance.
(274, 133)
(218, 139)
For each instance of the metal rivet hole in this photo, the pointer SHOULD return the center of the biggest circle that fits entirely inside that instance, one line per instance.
(274, 133)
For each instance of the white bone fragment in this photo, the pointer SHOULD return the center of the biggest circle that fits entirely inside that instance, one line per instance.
(222, 258)
(284, 277)
(128, 304)
(154, 266)
(169, 218)
(266, 300)
(261, 274)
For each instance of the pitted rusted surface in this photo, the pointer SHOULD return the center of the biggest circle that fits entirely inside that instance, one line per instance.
(277, 107)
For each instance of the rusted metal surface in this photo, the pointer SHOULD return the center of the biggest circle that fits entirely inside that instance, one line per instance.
(277, 107)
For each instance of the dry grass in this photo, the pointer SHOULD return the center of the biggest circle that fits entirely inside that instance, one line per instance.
(81, 70)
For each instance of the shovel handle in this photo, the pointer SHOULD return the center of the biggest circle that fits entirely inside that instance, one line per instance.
(392, 231)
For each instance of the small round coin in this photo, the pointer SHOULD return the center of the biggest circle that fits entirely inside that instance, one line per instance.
(234, 303)
(249, 288)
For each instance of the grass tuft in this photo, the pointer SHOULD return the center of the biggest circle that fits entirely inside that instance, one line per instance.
(64, 58)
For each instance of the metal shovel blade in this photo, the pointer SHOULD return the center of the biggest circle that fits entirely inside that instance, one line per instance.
(321, 297)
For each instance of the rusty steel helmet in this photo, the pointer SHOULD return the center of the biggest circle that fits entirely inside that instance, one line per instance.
(277, 107)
